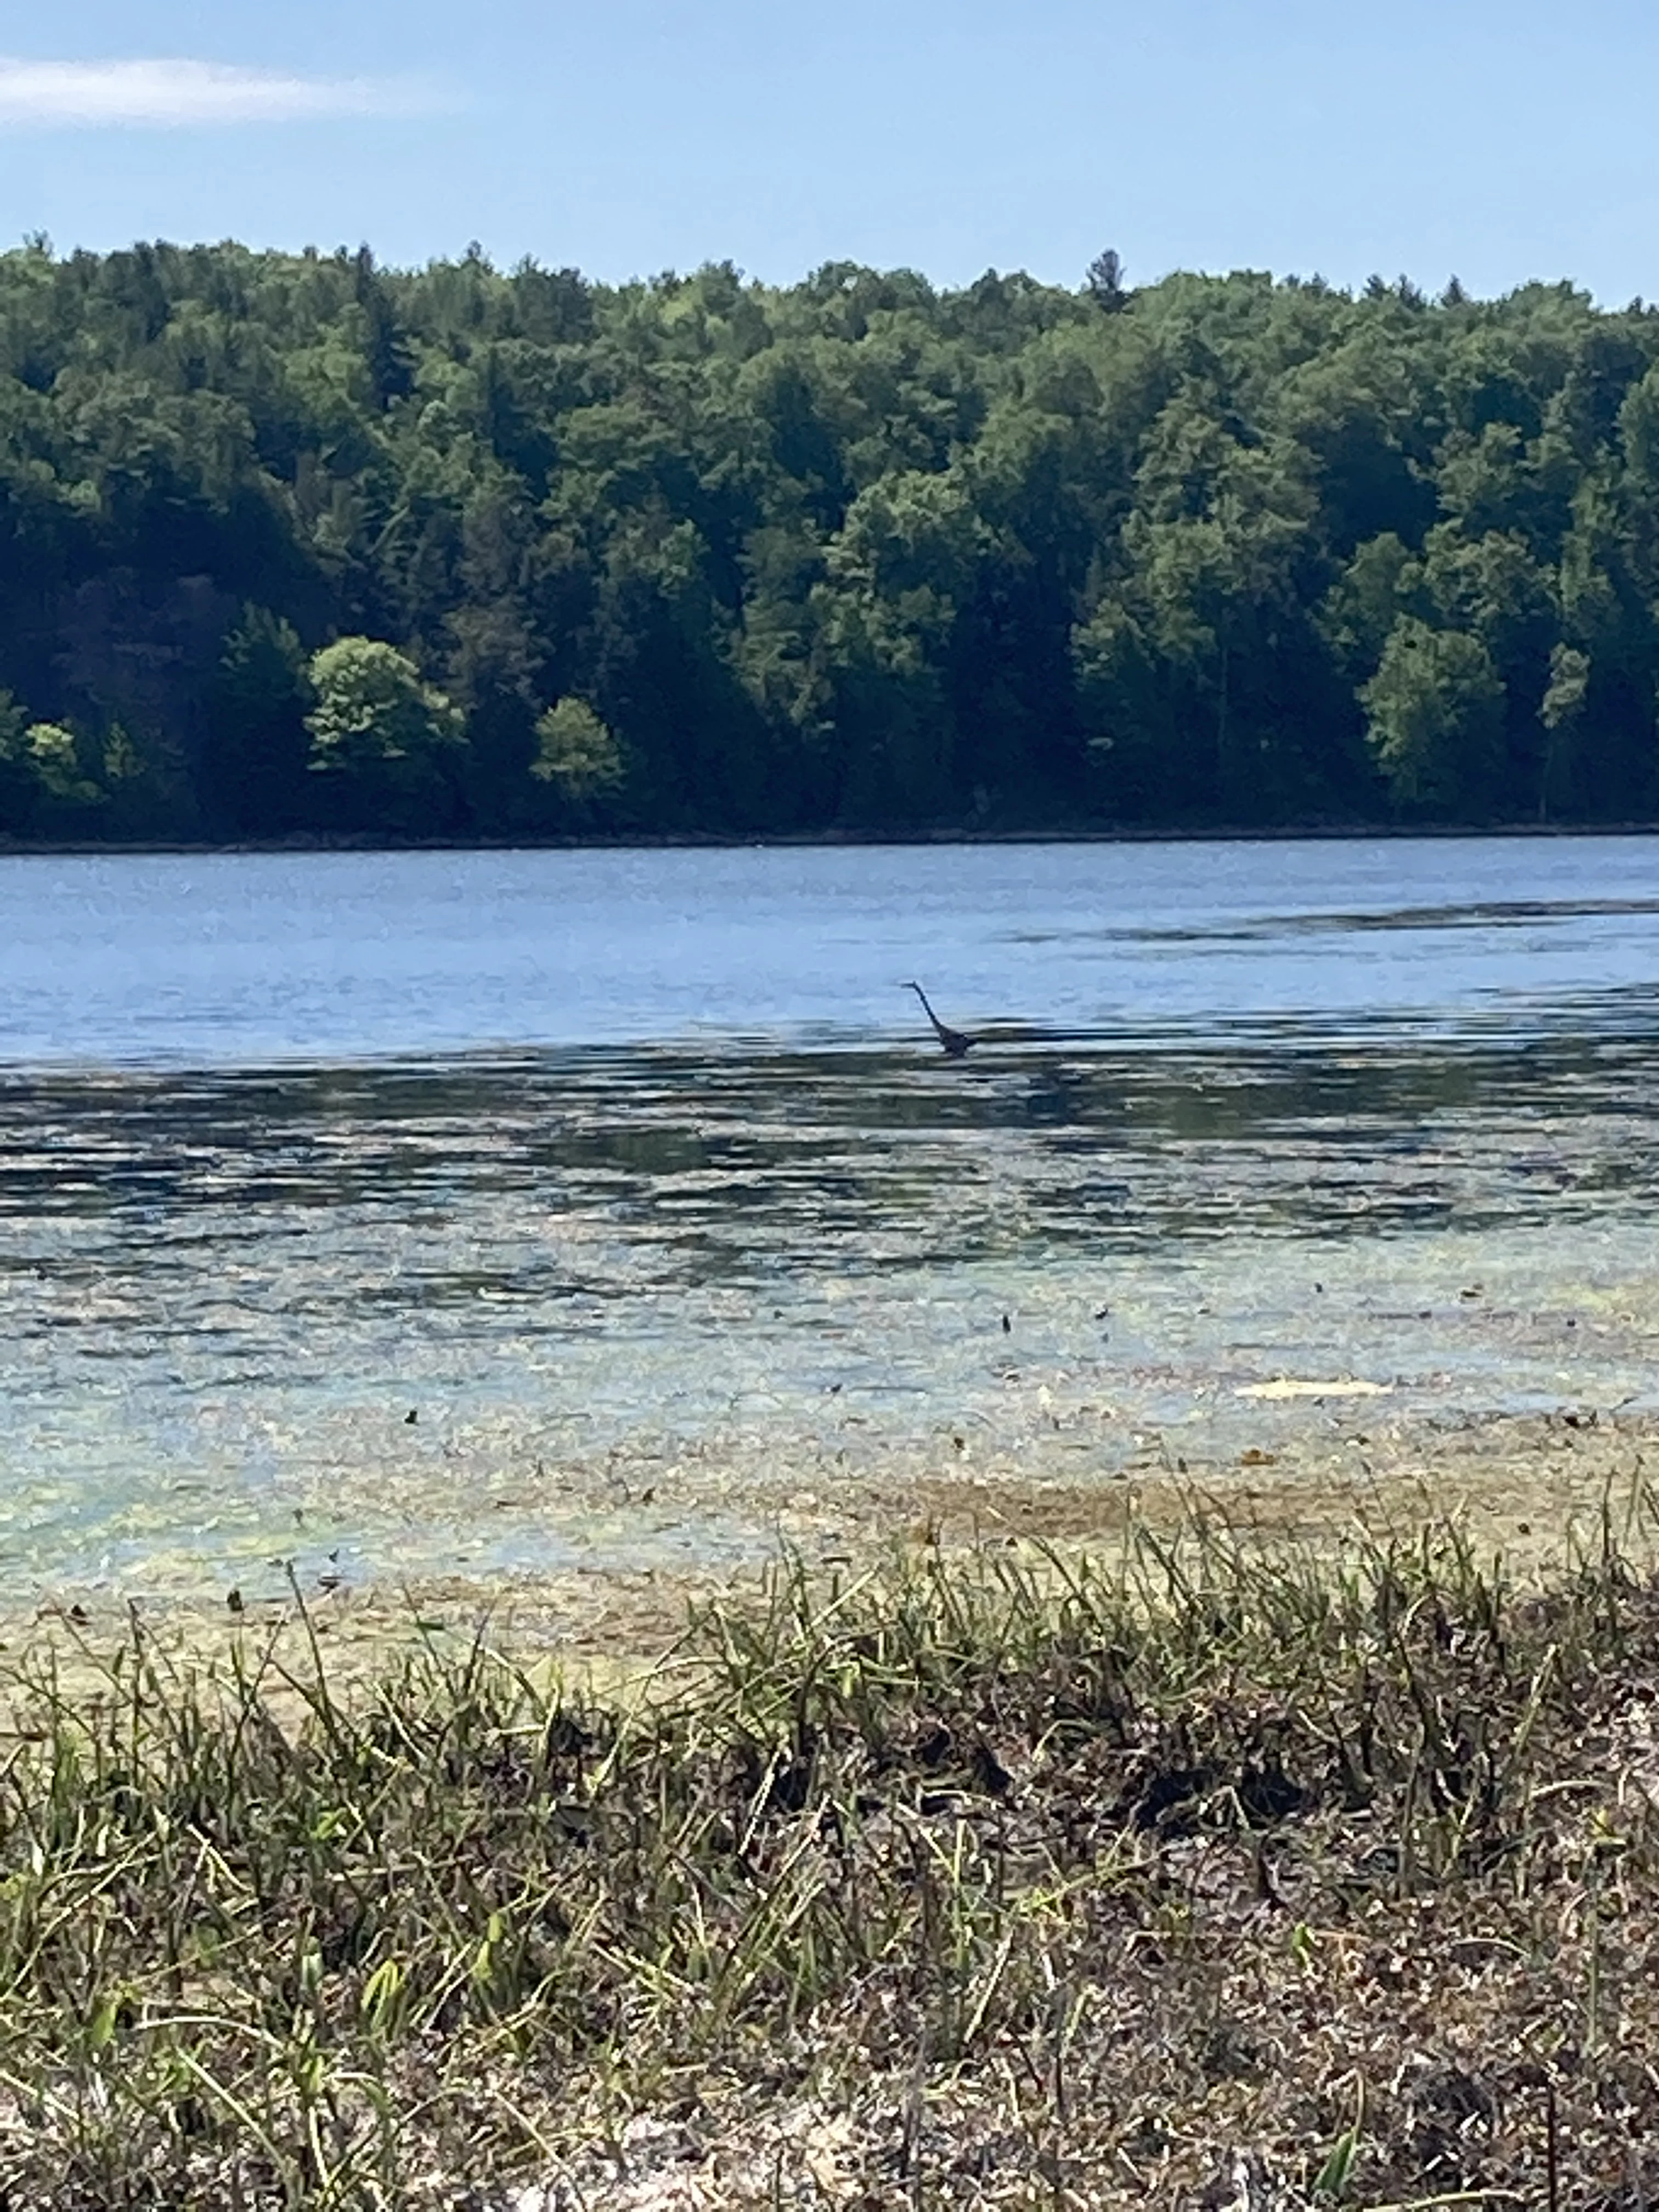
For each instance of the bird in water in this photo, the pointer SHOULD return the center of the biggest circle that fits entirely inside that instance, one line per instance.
(953, 1041)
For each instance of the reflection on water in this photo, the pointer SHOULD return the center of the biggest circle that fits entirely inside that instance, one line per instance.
(1473, 914)
(539, 1307)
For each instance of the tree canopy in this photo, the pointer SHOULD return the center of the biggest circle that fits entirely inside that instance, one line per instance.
(295, 544)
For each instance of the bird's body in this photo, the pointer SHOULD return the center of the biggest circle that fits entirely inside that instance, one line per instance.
(953, 1041)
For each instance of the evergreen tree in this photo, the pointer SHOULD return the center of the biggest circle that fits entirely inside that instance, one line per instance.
(297, 543)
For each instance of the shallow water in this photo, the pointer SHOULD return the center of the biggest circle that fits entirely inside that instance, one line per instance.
(635, 1178)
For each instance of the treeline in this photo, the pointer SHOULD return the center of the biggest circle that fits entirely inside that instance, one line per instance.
(296, 544)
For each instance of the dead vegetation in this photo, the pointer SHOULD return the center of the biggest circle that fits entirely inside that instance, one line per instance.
(1207, 1873)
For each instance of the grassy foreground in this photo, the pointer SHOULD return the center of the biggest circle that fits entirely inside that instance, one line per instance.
(1201, 1877)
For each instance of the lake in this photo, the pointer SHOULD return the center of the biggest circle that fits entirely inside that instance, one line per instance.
(498, 1213)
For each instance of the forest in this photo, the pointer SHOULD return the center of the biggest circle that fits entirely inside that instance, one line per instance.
(295, 546)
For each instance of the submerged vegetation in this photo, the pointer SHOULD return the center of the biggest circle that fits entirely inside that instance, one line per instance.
(297, 544)
(1206, 1875)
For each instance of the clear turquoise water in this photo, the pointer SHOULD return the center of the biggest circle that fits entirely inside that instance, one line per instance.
(636, 1177)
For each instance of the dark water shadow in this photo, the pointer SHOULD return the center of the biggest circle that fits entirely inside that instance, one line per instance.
(706, 1164)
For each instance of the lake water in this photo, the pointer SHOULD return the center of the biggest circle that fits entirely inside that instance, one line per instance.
(638, 1180)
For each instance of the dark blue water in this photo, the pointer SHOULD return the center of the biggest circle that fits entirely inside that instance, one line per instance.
(240, 960)
(638, 1179)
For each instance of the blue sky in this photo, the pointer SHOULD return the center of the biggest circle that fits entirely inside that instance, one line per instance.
(1499, 139)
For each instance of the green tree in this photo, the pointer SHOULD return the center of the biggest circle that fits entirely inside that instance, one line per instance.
(576, 756)
(1366, 600)
(255, 753)
(1434, 711)
(857, 550)
(45, 784)
(55, 756)
(1219, 543)
(897, 578)
(1561, 713)
(387, 740)
(18, 783)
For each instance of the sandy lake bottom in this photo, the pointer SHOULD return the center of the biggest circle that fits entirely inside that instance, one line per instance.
(569, 1341)
(561, 1233)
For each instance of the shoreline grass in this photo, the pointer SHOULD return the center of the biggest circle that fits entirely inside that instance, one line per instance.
(1212, 1873)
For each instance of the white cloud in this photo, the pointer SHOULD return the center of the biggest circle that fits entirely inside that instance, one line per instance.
(176, 93)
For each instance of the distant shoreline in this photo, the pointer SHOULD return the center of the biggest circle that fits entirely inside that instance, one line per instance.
(799, 840)
(460, 557)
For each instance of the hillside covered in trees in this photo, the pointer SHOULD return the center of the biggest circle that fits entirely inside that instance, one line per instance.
(295, 544)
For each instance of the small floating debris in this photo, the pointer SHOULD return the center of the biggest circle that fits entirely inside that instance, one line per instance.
(1285, 1386)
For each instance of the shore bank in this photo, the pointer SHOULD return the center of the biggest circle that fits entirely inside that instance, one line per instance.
(1385, 830)
(1324, 1471)
(1175, 1863)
